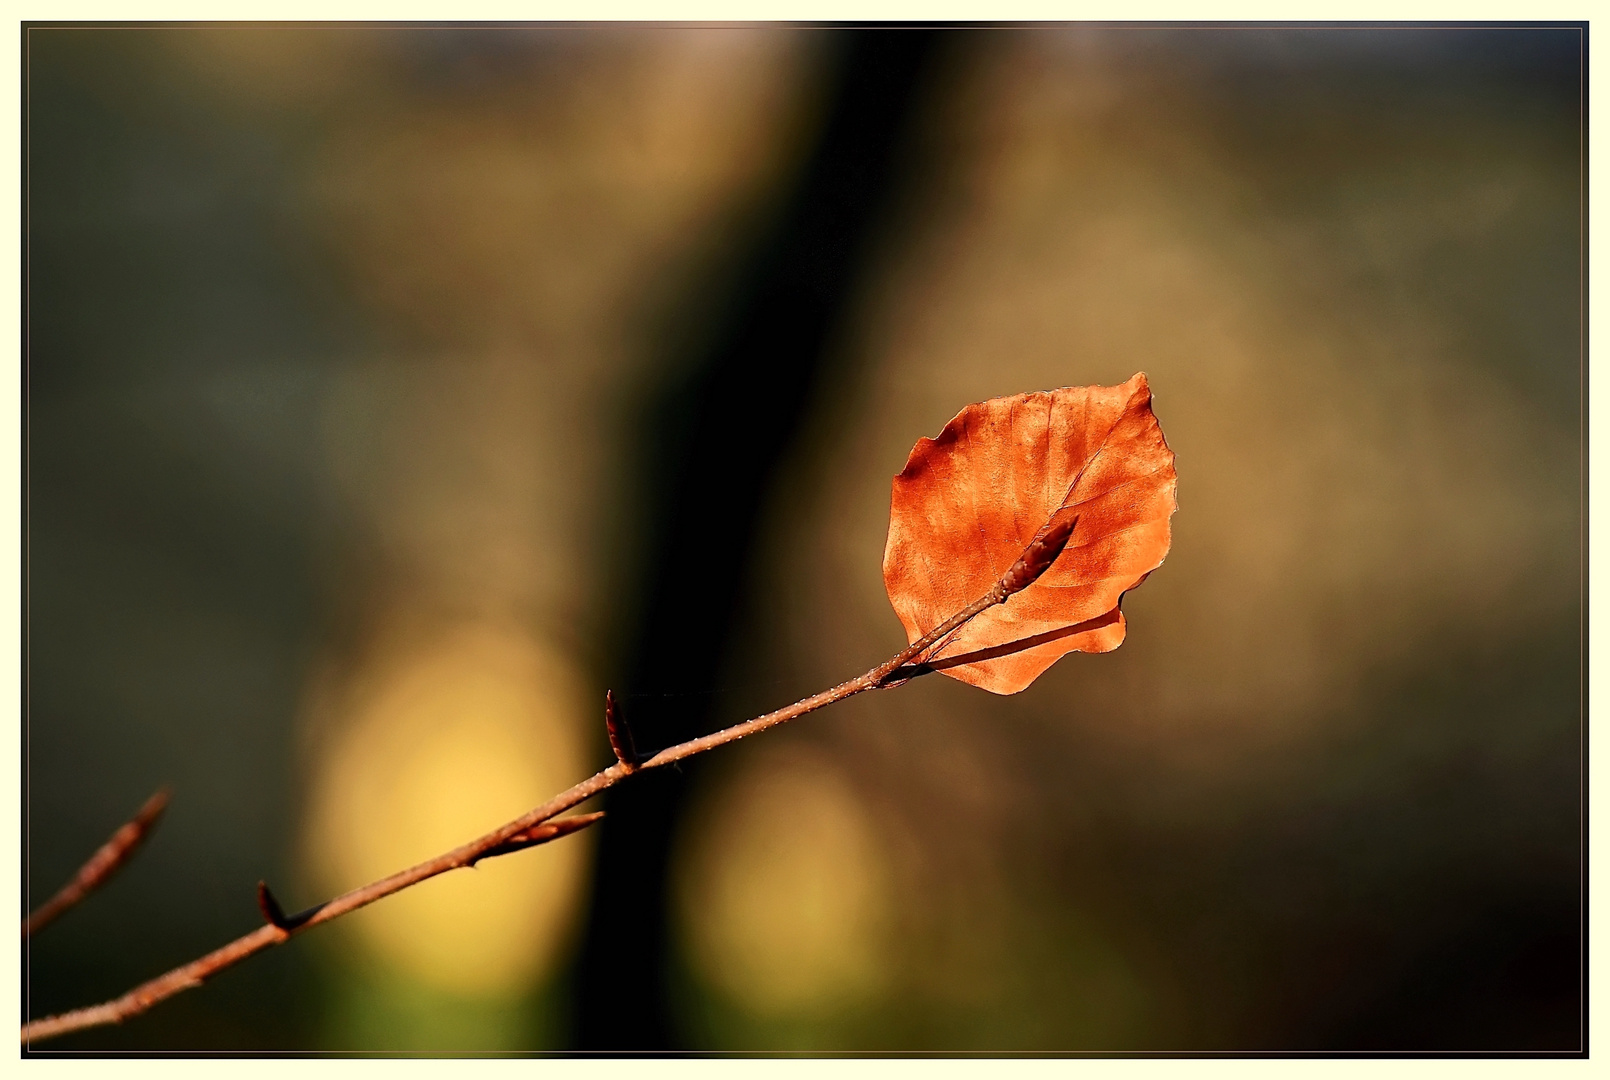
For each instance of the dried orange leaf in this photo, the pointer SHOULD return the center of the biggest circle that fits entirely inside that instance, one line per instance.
(968, 503)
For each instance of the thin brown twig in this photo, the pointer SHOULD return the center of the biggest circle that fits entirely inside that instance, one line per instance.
(106, 861)
(1035, 560)
(279, 928)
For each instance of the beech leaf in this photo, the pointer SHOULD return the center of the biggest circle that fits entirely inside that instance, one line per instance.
(1004, 474)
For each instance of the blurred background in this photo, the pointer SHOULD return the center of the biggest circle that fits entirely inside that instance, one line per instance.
(391, 392)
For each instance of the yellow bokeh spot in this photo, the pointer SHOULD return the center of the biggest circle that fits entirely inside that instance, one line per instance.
(783, 890)
(434, 743)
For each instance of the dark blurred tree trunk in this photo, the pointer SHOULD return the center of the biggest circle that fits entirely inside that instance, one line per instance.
(711, 453)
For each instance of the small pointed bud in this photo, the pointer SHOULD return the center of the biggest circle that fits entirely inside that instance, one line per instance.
(553, 830)
(1037, 557)
(270, 907)
(540, 833)
(620, 735)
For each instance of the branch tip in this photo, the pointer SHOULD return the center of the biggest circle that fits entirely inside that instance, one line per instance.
(153, 807)
(100, 866)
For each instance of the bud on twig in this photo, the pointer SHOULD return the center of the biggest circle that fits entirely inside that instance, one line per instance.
(1037, 558)
(539, 834)
(270, 907)
(620, 735)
